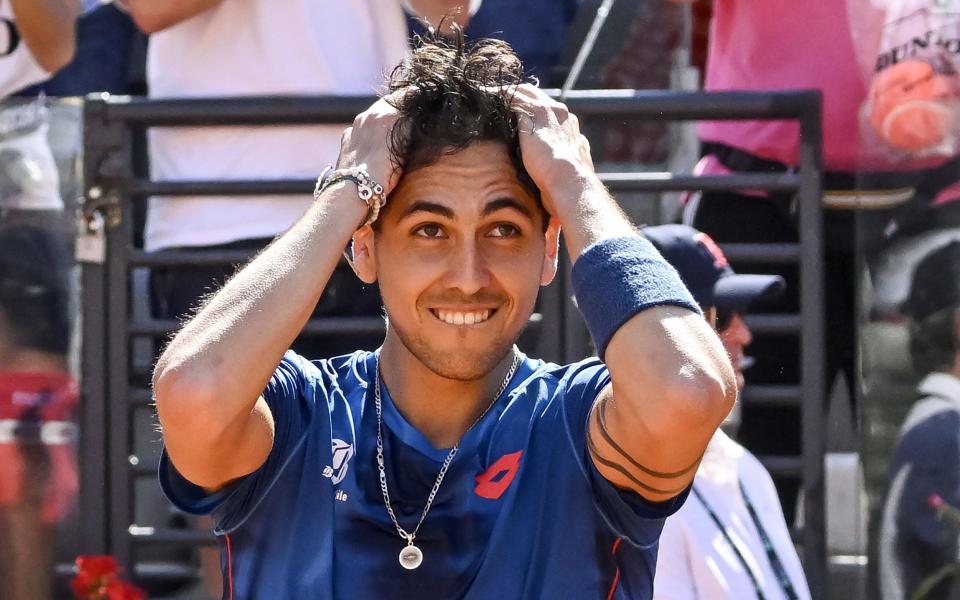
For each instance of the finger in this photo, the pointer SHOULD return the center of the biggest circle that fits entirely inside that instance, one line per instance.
(525, 123)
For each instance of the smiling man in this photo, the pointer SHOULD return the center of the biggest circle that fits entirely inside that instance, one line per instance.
(447, 463)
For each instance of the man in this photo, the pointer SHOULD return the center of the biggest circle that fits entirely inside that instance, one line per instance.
(716, 546)
(446, 463)
(918, 538)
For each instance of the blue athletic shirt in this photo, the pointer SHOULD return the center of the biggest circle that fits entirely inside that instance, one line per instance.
(522, 512)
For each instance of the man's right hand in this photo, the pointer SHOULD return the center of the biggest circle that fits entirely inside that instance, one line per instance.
(368, 141)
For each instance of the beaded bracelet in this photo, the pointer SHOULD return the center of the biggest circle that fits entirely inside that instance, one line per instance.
(368, 189)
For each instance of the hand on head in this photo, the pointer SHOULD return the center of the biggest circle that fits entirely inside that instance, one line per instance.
(367, 142)
(554, 151)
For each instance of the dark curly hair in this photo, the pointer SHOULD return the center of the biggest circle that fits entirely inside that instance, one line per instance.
(455, 93)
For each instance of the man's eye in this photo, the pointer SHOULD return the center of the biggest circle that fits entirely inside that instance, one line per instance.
(430, 230)
(504, 230)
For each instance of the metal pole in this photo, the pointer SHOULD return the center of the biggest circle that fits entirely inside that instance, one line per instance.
(812, 345)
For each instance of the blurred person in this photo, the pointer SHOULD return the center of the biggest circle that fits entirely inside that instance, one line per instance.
(38, 474)
(730, 539)
(535, 29)
(447, 463)
(204, 48)
(38, 477)
(752, 47)
(918, 542)
(108, 54)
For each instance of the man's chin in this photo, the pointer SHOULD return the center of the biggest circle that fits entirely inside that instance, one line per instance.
(460, 364)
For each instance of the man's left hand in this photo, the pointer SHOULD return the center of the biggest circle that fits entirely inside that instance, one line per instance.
(555, 154)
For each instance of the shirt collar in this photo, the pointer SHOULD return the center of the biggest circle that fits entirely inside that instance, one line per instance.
(943, 385)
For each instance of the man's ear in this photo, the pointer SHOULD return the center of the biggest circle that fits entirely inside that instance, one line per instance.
(551, 251)
(364, 262)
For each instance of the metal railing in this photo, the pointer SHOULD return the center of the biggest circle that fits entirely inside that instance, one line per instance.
(113, 389)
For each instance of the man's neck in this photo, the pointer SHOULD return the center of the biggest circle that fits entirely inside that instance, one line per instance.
(440, 408)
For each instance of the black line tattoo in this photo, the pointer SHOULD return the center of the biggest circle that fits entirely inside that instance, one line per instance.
(618, 468)
(600, 411)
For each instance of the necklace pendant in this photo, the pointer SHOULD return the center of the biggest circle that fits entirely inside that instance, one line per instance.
(410, 557)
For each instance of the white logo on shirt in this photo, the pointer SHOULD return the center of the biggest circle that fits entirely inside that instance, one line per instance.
(341, 454)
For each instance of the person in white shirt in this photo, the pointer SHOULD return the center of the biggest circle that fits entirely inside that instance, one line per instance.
(729, 540)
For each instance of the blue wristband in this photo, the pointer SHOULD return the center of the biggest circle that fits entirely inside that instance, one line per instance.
(616, 278)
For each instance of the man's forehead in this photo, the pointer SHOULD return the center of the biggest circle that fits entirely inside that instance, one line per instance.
(478, 176)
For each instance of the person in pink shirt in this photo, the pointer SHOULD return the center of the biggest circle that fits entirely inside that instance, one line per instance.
(780, 45)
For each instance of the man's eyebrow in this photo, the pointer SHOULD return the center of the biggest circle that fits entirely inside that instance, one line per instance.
(502, 203)
(428, 207)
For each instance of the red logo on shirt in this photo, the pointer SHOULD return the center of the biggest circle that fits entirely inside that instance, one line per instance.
(492, 483)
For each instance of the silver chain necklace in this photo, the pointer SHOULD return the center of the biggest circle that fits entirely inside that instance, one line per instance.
(411, 556)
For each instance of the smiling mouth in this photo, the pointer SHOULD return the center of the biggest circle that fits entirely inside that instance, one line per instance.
(470, 317)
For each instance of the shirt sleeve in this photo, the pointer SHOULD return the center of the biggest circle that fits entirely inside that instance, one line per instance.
(674, 577)
(292, 404)
(627, 513)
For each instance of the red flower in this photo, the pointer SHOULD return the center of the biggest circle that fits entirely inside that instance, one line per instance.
(121, 590)
(97, 579)
(97, 566)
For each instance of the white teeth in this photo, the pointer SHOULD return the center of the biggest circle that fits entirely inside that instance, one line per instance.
(463, 318)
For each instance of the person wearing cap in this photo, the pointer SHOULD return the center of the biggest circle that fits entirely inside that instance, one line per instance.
(920, 522)
(730, 539)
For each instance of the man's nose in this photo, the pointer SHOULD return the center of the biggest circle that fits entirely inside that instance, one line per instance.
(467, 270)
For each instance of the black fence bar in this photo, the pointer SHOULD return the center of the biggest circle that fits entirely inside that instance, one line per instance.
(784, 466)
(767, 253)
(118, 354)
(303, 110)
(766, 324)
(812, 343)
(192, 258)
(150, 535)
(772, 395)
(668, 182)
(617, 182)
(93, 417)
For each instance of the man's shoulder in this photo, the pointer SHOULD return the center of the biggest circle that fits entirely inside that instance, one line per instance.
(565, 379)
(343, 373)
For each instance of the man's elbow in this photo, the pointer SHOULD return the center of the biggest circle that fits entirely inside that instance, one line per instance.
(182, 399)
(704, 393)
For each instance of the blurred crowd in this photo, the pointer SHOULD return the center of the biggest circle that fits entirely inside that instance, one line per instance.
(888, 74)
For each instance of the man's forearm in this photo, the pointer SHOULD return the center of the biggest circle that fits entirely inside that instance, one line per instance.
(230, 349)
(154, 15)
(588, 213)
(48, 27)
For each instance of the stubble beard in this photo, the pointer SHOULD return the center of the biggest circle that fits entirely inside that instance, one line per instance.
(467, 365)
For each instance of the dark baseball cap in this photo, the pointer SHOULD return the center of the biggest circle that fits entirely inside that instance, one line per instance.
(705, 270)
(936, 283)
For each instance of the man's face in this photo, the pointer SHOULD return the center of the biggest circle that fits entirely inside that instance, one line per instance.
(460, 253)
(735, 336)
